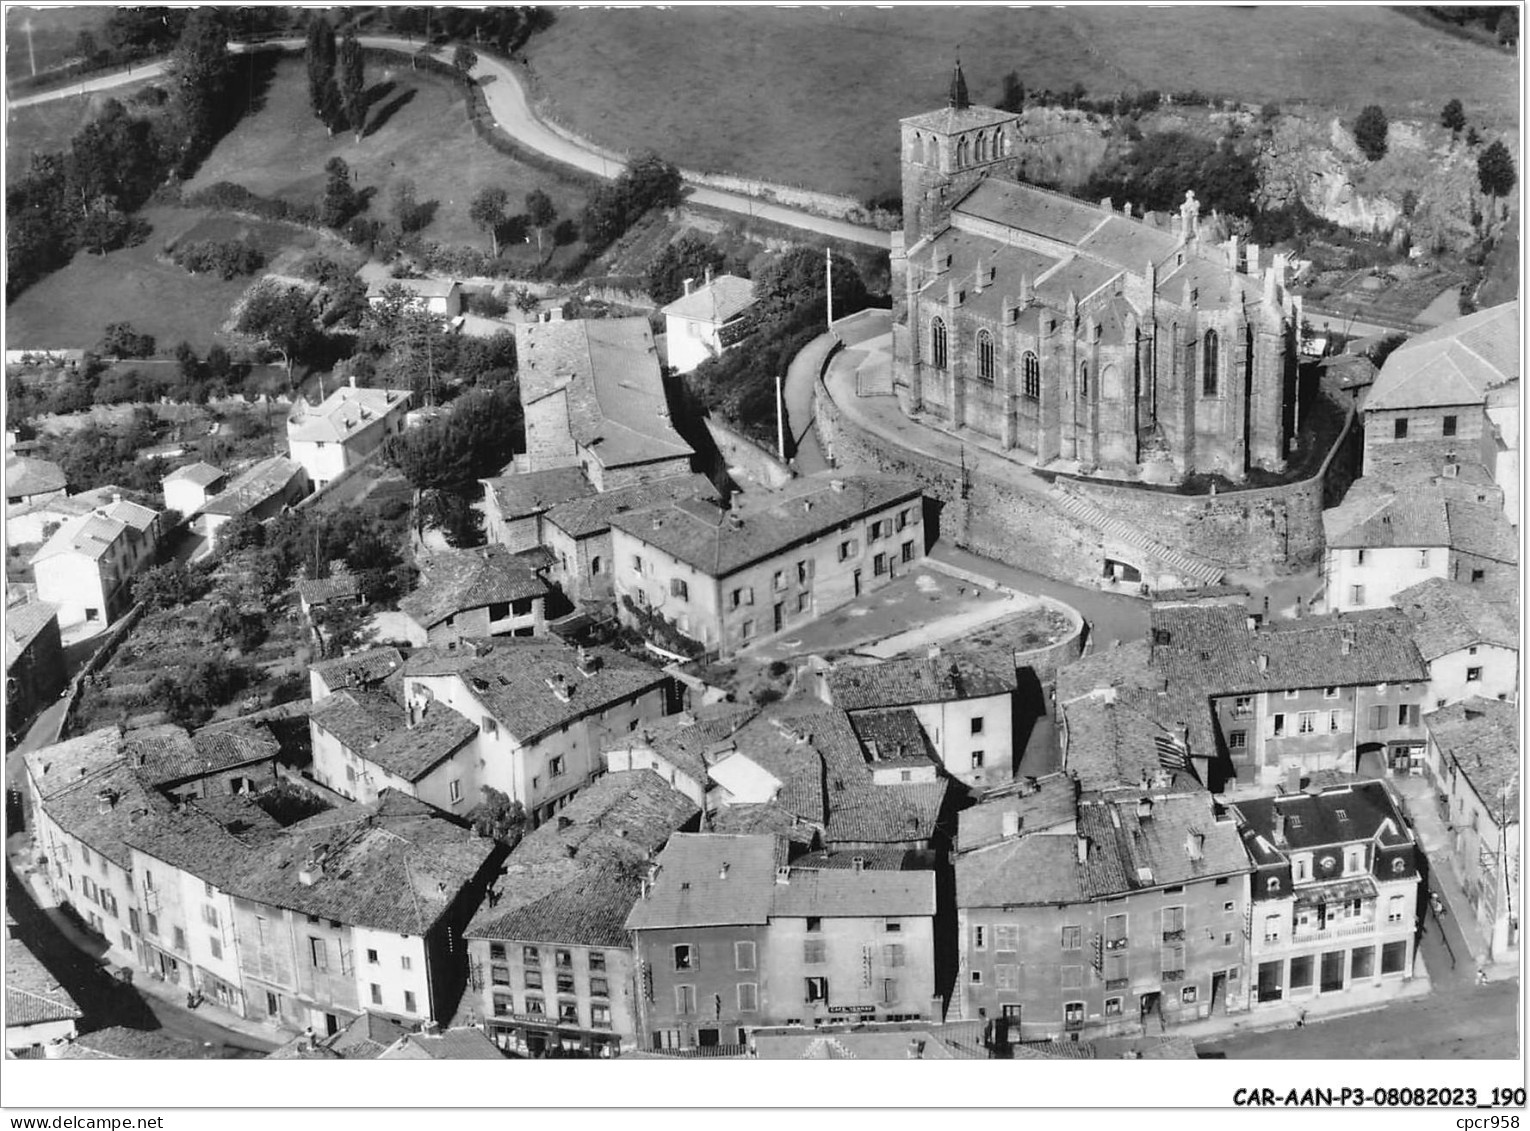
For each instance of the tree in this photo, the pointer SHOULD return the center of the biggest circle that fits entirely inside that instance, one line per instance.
(1495, 170)
(121, 340)
(497, 817)
(1371, 132)
(353, 82)
(1508, 26)
(464, 58)
(1013, 98)
(282, 317)
(540, 213)
(204, 73)
(104, 227)
(487, 211)
(85, 45)
(339, 203)
(689, 257)
(1453, 117)
(319, 58)
(1473, 138)
(169, 586)
(407, 212)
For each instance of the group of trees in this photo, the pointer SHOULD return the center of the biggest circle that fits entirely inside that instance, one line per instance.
(1160, 168)
(505, 28)
(228, 259)
(490, 211)
(342, 102)
(83, 198)
(689, 257)
(649, 182)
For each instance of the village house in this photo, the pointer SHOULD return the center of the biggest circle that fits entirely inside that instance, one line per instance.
(40, 1015)
(550, 957)
(1090, 916)
(680, 748)
(593, 397)
(27, 524)
(340, 588)
(729, 936)
(260, 493)
(35, 673)
(543, 709)
(464, 1042)
(29, 480)
(1474, 764)
(365, 671)
(771, 562)
(964, 702)
(365, 742)
(1381, 540)
(1338, 692)
(1335, 892)
(187, 489)
(222, 761)
(340, 433)
(1450, 396)
(86, 566)
(1471, 644)
(486, 591)
(706, 320)
(433, 296)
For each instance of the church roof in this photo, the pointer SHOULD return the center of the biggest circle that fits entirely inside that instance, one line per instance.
(951, 120)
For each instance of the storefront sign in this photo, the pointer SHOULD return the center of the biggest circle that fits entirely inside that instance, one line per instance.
(852, 1009)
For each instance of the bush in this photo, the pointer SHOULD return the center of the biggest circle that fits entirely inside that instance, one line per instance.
(227, 259)
(121, 340)
(1371, 132)
(487, 304)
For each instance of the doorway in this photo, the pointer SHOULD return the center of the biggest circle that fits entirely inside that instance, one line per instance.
(1219, 991)
(855, 579)
(708, 1038)
(780, 615)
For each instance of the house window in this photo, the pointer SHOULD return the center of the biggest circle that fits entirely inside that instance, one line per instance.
(685, 1000)
(848, 549)
(1333, 722)
(563, 959)
(534, 979)
(1237, 740)
(1030, 377)
(1115, 932)
(746, 630)
(1072, 938)
(1272, 884)
(1306, 722)
(1300, 866)
(1394, 956)
(405, 962)
(1357, 594)
(815, 989)
(1400, 428)
(1423, 559)
(1243, 707)
(879, 565)
(1073, 1015)
(595, 565)
(813, 952)
(1083, 380)
(1112, 1007)
(499, 610)
(977, 978)
(743, 956)
(599, 987)
(1272, 926)
(804, 600)
(499, 974)
(1407, 715)
(1448, 426)
(376, 994)
(372, 954)
(1209, 365)
(892, 954)
(530, 956)
(215, 946)
(454, 791)
(977, 726)
(1473, 675)
(748, 997)
(1187, 994)
(979, 938)
(637, 565)
(814, 924)
(318, 957)
(556, 766)
(977, 759)
(985, 357)
(685, 957)
(180, 940)
(565, 983)
(1395, 905)
(1478, 575)
(679, 589)
(938, 343)
(536, 1007)
(1359, 557)
(1277, 725)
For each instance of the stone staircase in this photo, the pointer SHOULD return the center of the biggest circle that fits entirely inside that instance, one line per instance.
(1187, 566)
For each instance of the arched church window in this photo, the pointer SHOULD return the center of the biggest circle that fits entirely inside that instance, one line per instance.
(1083, 380)
(931, 151)
(985, 356)
(982, 147)
(962, 151)
(1030, 377)
(1209, 365)
(938, 343)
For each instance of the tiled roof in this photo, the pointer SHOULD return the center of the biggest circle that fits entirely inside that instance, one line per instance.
(718, 542)
(105, 808)
(121, 1043)
(454, 581)
(374, 727)
(950, 119)
(709, 879)
(511, 678)
(252, 487)
(322, 590)
(199, 473)
(95, 533)
(973, 674)
(1378, 521)
(1481, 736)
(559, 902)
(1110, 742)
(690, 741)
(1453, 364)
(886, 814)
(167, 754)
(360, 668)
(1349, 370)
(1476, 528)
(592, 514)
(32, 995)
(626, 815)
(26, 475)
(536, 491)
(722, 299)
(366, 1037)
(1312, 820)
(1125, 850)
(1213, 648)
(23, 624)
(343, 413)
(893, 738)
(1447, 616)
(831, 893)
(63, 764)
(609, 368)
(767, 818)
(466, 1043)
(1050, 804)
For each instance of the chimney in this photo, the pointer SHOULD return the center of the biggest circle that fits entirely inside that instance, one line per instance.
(1145, 809)
(915, 1049)
(709, 276)
(106, 800)
(689, 283)
(722, 873)
(309, 1039)
(1263, 660)
(857, 863)
(979, 276)
(1280, 830)
(430, 1029)
(1083, 850)
(783, 874)
(1293, 781)
(1011, 824)
(353, 380)
(1195, 844)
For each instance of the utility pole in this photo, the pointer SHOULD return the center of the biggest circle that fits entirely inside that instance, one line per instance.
(780, 418)
(828, 272)
(31, 55)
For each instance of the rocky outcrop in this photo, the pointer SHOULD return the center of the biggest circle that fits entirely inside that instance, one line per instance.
(1058, 146)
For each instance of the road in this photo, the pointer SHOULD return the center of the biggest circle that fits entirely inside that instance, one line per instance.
(507, 103)
(1474, 1023)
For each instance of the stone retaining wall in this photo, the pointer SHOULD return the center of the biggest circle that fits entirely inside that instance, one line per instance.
(756, 464)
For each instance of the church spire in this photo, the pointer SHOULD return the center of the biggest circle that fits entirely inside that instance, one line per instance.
(958, 99)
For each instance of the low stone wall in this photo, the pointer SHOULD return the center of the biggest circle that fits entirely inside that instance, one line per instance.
(756, 464)
(113, 639)
(1046, 660)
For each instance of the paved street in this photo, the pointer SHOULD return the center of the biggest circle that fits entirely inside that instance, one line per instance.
(1472, 1023)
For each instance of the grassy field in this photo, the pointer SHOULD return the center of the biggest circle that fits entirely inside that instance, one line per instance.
(54, 33)
(813, 96)
(48, 126)
(424, 135)
(71, 307)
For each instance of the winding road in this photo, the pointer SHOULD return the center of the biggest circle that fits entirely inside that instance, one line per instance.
(506, 99)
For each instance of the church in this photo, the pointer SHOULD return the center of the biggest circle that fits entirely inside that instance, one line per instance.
(1075, 335)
